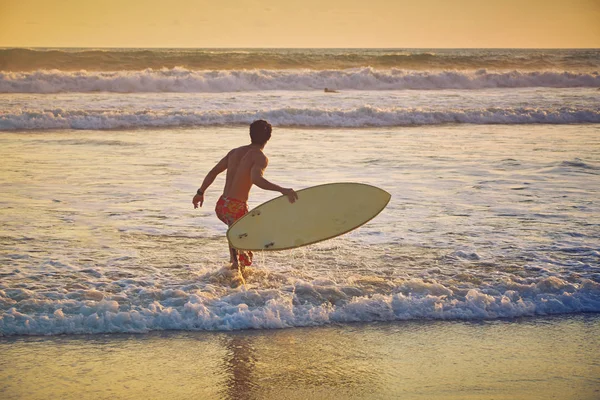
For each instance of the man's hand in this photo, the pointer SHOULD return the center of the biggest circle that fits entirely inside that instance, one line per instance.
(291, 194)
(199, 198)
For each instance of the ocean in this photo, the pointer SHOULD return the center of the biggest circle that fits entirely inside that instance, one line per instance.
(492, 158)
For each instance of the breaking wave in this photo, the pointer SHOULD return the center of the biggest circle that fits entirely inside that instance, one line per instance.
(304, 117)
(299, 304)
(185, 80)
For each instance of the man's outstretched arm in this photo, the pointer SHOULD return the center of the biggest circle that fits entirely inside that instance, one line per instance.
(209, 179)
(258, 179)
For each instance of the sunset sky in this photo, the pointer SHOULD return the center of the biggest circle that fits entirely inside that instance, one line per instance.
(300, 23)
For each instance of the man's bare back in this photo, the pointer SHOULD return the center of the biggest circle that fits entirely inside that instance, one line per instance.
(239, 171)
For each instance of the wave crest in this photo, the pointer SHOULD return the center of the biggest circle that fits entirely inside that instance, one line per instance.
(304, 117)
(302, 304)
(184, 80)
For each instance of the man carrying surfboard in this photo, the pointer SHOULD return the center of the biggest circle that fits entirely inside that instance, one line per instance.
(245, 167)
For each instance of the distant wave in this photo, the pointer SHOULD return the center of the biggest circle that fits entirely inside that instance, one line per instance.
(184, 80)
(318, 59)
(305, 117)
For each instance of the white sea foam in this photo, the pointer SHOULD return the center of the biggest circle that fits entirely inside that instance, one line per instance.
(184, 80)
(300, 304)
(307, 117)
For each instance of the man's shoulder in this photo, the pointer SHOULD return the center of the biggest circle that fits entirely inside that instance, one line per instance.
(253, 152)
(259, 155)
(237, 149)
(238, 152)
(248, 152)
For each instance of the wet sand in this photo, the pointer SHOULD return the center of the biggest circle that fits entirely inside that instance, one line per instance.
(530, 358)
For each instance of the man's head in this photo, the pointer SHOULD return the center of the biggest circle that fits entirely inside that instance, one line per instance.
(260, 132)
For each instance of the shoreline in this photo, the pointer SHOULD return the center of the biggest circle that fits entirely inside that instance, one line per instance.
(523, 319)
(527, 358)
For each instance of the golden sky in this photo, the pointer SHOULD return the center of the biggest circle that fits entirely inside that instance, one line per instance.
(300, 23)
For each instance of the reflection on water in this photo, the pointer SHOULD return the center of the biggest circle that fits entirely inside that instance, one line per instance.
(240, 362)
(297, 364)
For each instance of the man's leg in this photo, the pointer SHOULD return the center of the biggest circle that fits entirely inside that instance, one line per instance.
(229, 211)
(225, 214)
(233, 258)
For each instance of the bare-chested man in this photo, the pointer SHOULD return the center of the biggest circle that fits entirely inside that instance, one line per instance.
(245, 166)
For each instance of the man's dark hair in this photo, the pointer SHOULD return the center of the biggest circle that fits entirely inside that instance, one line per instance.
(260, 132)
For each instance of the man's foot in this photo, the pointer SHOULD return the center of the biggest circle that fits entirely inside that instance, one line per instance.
(238, 267)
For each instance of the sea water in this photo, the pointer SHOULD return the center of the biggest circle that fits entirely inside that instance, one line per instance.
(492, 158)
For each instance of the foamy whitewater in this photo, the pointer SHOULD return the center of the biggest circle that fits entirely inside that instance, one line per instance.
(492, 158)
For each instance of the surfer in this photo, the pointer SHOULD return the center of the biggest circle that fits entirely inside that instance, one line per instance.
(245, 167)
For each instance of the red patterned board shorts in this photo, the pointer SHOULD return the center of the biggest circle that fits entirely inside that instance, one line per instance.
(230, 210)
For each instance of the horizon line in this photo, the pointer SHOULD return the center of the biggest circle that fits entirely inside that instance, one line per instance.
(299, 48)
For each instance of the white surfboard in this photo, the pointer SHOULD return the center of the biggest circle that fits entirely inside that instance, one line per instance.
(320, 213)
